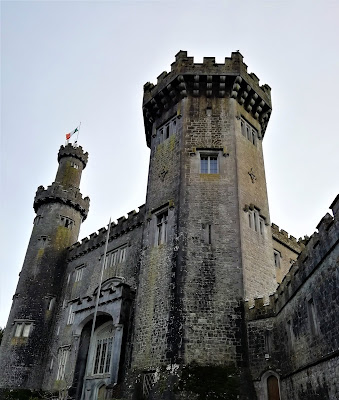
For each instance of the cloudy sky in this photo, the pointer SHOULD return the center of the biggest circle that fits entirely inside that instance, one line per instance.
(66, 62)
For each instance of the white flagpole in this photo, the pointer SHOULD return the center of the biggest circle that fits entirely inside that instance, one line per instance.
(99, 286)
(78, 133)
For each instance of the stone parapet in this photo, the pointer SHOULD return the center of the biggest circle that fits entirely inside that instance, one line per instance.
(71, 151)
(287, 240)
(97, 239)
(317, 247)
(56, 193)
(209, 79)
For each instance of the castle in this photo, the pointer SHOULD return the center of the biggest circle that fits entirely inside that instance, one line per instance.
(201, 296)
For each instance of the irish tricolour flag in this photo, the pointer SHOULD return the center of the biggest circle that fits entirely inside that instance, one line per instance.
(68, 135)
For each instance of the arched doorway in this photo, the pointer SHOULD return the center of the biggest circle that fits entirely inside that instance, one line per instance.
(273, 388)
(102, 393)
(83, 350)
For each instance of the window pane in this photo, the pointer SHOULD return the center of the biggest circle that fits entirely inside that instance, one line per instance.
(213, 165)
(97, 356)
(103, 356)
(18, 330)
(27, 328)
(109, 353)
(204, 165)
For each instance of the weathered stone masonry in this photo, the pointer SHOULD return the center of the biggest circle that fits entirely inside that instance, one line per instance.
(202, 296)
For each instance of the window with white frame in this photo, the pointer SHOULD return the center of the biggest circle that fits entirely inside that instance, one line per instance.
(209, 163)
(78, 273)
(103, 355)
(116, 256)
(167, 129)
(71, 314)
(102, 350)
(63, 358)
(161, 232)
(23, 329)
(248, 131)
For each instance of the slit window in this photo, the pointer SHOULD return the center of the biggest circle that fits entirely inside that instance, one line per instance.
(312, 316)
(161, 232)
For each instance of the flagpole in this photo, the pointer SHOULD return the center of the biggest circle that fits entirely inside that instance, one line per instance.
(78, 133)
(99, 286)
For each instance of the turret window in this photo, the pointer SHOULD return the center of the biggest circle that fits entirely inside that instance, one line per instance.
(249, 132)
(74, 165)
(255, 220)
(66, 222)
(167, 129)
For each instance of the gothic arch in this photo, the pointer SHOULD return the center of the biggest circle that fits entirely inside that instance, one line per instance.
(270, 386)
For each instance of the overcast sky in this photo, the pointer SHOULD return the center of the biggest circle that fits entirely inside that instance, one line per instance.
(65, 62)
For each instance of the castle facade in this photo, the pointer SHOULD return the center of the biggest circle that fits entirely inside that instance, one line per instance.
(195, 296)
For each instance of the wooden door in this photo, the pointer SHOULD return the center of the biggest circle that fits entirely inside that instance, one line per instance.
(273, 388)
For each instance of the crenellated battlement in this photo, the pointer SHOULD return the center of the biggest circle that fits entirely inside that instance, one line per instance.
(97, 239)
(315, 250)
(209, 79)
(73, 151)
(287, 240)
(56, 193)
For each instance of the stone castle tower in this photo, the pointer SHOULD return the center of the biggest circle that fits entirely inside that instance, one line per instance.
(208, 242)
(201, 296)
(60, 209)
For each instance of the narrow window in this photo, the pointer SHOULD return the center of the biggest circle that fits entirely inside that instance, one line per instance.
(51, 303)
(255, 215)
(276, 255)
(167, 131)
(312, 316)
(123, 254)
(161, 234)
(74, 165)
(70, 318)
(261, 226)
(78, 274)
(250, 219)
(26, 330)
(18, 330)
(290, 333)
(174, 126)
(63, 357)
(243, 130)
(209, 234)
